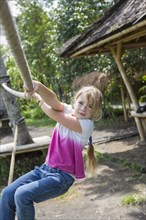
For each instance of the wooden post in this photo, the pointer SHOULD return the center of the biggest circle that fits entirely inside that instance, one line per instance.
(12, 164)
(124, 104)
(117, 56)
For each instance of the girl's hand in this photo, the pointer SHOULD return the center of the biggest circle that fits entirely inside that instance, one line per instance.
(37, 97)
(29, 94)
(36, 85)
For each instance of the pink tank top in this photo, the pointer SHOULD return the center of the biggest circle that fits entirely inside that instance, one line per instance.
(65, 150)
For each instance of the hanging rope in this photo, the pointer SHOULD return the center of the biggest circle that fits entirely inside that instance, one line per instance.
(13, 92)
(15, 44)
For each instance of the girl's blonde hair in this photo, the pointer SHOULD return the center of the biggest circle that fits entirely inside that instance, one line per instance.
(96, 95)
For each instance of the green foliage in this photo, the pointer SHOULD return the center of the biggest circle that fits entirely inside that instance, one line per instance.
(3, 49)
(142, 90)
(133, 200)
(14, 74)
(43, 27)
(4, 170)
(24, 163)
(135, 65)
(72, 17)
(35, 29)
(36, 117)
(33, 111)
(44, 122)
(123, 163)
(46, 25)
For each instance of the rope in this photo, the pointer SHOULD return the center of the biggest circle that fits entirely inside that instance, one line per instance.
(15, 44)
(13, 92)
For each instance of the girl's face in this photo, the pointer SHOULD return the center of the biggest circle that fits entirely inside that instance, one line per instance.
(83, 107)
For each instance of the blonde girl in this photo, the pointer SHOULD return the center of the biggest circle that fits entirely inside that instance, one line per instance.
(64, 161)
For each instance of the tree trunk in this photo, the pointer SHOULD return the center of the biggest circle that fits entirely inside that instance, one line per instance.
(13, 111)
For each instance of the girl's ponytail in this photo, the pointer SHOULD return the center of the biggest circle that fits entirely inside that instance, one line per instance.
(91, 159)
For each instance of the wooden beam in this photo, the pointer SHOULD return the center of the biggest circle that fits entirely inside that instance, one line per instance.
(119, 51)
(113, 37)
(40, 143)
(124, 104)
(133, 36)
(142, 118)
(138, 115)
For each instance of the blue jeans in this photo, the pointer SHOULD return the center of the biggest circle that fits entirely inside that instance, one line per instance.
(38, 185)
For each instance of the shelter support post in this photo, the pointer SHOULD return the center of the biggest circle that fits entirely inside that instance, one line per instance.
(124, 105)
(117, 54)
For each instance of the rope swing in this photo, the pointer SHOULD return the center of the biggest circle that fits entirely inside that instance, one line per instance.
(16, 48)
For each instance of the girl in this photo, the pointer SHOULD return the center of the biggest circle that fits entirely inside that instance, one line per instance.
(64, 161)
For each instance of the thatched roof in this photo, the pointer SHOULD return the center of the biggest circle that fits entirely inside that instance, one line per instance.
(97, 79)
(125, 22)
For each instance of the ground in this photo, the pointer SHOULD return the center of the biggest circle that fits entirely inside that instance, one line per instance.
(122, 172)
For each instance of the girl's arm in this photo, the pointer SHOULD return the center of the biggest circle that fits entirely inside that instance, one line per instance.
(48, 96)
(70, 122)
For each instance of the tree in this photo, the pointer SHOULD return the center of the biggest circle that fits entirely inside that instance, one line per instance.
(44, 27)
(71, 18)
(35, 29)
(13, 110)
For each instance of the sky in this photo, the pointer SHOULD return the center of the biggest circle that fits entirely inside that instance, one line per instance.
(14, 12)
(13, 7)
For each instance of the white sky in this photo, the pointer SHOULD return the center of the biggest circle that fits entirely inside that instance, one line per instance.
(13, 8)
(14, 12)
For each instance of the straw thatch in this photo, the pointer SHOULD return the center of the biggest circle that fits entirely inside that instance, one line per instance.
(125, 22)
(99, 80)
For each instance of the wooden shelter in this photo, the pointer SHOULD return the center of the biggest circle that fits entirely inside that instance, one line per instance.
(123, 27)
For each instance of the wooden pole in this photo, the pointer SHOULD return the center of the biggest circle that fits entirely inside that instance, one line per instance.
(12, 164)
(123, 103)
(117, 56)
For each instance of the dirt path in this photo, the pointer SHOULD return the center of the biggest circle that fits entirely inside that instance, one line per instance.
(100, 197)
(97, 198)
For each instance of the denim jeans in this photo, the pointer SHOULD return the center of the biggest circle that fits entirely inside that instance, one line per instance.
(38, 185)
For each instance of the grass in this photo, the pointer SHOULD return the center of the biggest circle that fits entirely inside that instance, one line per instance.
(41, 122)
(138, 177)
(72, 192)
(123, 163)
(38, 119)
(23, 164)
(133, 200)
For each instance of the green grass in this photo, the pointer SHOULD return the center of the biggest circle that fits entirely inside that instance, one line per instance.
(133, 200)
(42, 122)
(101, 157)
(34, 116)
